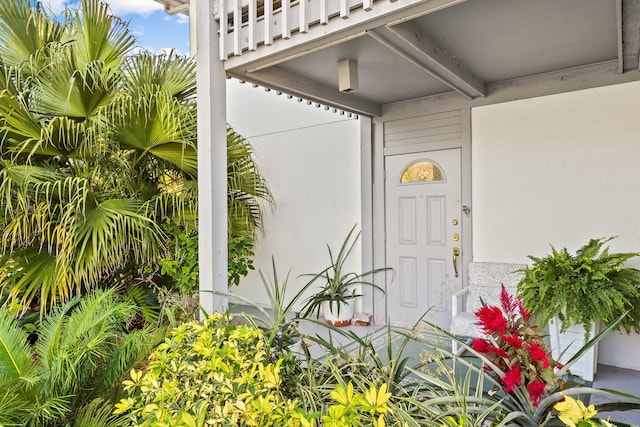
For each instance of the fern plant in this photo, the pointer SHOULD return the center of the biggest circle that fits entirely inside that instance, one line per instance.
(580, 289)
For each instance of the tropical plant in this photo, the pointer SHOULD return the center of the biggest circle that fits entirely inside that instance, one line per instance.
(67, 372)
(278, 319)
(98, 149)
(247, 190)
(583, 288)
(573, 413)
(91, 141)
(357, 409)
(339, 286)
(516, 348)
(523, 391)
(212, 372)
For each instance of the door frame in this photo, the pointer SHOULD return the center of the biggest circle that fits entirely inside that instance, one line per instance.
(373, 153)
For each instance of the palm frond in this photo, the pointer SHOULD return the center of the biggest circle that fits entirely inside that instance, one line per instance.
(84, 335)
(131, 351)
(154, 122)
(99, 413)
(171, 74)
(13, 406)
(15, 354)
(17, 124)
(97, 35)
(66, 90)
(42, 278)
(247, 189)
(110, 233)
(24, 29)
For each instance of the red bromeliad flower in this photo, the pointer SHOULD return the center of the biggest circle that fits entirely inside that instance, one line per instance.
(512, 378)
(515, 348)
(536, 392)
(538, 353)
(507, 301)
(496, 350)
(513, 340)
(524, 311)
(480, 345)
(491, 320)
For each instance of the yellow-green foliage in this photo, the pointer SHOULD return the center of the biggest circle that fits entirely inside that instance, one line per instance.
(357, 409)
(211, 373)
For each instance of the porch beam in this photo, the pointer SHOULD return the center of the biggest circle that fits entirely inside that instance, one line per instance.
(173, 7)
(334, 32)
(278, 79)
(619, 20)
(212, 161)
(421, 50)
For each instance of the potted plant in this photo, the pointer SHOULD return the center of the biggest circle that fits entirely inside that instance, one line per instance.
(339, 288)
(572, 293)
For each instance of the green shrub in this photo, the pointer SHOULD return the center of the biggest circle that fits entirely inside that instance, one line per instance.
(181, 262)
(211, 373)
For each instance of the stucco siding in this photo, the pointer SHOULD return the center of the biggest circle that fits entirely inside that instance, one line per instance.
(311, 160)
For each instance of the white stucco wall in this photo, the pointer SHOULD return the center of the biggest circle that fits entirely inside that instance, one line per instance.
(311, 160)
(559, 170)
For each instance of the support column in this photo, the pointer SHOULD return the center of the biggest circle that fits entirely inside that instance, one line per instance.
(366, 211)
(212, 160)
(193, 28)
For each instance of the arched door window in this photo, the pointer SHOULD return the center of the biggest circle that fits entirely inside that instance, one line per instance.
(422, 171)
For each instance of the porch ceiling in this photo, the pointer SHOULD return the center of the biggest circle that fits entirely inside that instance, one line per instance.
(495, 40)
(459, 46)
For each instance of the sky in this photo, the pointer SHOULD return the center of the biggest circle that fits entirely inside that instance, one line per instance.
(155, 30)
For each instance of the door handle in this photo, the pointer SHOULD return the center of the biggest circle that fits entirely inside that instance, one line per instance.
(456, 253)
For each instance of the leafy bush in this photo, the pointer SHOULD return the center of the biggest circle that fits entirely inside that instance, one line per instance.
(357, 409)
(181, 262)
(240, 258)
(211, 373)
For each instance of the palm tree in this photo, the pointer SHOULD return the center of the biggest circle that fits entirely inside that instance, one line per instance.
(98, 149)
(71, 375)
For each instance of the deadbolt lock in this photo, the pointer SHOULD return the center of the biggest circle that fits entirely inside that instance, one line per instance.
(456, 237)
(454, 222)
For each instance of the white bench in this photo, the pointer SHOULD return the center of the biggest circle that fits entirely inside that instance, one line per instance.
(484, 286)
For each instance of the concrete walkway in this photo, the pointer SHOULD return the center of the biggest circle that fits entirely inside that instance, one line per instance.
(627, 380)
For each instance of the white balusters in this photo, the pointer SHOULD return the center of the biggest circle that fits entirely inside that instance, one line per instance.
(344, 9)
(253, 20)
(291, 18)
(285, 11)
(268, 22)
(222, 12)
(324, 12)
(237, 25)
(304, 19)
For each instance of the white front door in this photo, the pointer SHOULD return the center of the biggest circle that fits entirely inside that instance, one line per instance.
(423, 235)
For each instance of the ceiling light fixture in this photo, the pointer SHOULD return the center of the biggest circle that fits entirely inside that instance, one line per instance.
(347, 75)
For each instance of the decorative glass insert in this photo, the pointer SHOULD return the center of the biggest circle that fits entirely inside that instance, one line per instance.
(422, 171)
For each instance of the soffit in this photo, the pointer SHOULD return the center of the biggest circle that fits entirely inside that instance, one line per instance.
(496, 39)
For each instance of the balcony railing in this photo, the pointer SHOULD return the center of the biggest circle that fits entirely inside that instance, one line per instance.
(252, 23)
